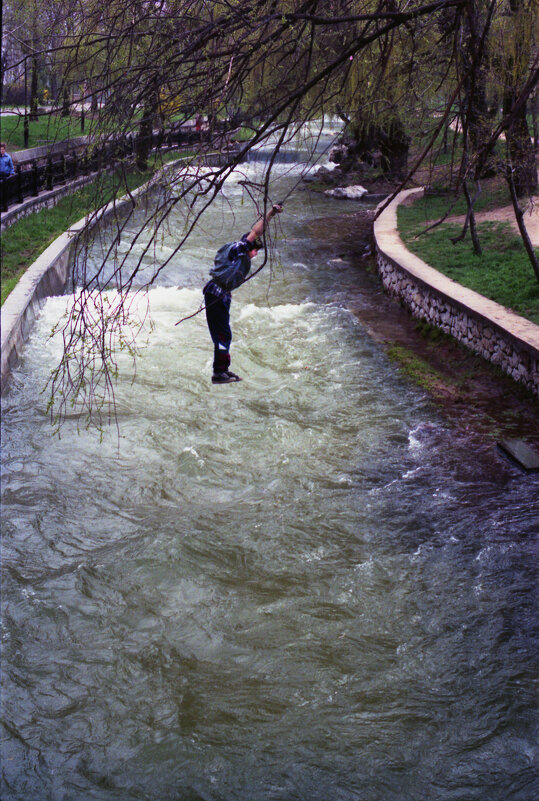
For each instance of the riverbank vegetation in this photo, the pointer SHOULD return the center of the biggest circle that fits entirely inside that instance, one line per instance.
(411, 82)
(46, 129)
(431, 227)
(502, 272)
(26, 239)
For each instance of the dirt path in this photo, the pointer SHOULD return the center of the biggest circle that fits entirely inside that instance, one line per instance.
(506, 214)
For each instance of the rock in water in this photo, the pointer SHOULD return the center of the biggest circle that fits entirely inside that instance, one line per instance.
(347, 192)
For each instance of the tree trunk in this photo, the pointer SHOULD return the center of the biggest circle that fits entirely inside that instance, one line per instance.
(519, 214)
(469, 222)
(145, 131)
(533, 104)
(54, 88)
(474, 65)
(3, 63)
(65, 102)
(521, 151)
(395, 146)
(520, 148)
(33, 91)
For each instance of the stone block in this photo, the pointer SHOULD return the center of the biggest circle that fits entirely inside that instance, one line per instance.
(522, 453)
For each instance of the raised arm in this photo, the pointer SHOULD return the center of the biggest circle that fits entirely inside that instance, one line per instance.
(260, 225)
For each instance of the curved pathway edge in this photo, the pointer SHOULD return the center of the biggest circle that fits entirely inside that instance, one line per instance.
(489, 329)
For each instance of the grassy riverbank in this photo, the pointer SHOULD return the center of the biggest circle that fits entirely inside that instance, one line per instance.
(502, 273)
(26, 239)
(46, 129)
(53, 127)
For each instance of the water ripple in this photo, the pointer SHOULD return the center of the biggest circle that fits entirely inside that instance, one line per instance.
(305, 586)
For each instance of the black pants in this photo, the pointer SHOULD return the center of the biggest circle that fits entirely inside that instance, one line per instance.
(218, 318)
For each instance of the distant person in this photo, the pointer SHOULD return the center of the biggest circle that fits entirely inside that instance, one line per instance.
(6, 164)
(199, 122)
(232, 264)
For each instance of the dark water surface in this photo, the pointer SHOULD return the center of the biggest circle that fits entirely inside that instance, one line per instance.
(304, 586)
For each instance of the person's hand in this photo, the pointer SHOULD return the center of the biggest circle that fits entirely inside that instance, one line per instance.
(277, 208)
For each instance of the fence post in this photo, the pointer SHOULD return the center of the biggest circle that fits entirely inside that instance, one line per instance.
(19, 183)
(48, 174)
(35, 178)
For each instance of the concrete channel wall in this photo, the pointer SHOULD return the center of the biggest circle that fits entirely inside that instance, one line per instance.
(49, 274)
(50, 149)
(499, 335)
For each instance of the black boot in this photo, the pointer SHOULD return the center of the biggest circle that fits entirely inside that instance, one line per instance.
(227, 377)
(221, 373)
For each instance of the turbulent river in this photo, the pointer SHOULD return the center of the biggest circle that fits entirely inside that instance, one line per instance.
(302, 586)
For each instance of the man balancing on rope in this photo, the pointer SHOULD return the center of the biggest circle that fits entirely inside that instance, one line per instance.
(232, 264)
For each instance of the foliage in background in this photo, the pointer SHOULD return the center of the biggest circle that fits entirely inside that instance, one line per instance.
(46, 129)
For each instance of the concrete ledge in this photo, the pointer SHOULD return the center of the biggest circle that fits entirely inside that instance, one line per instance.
(46, 277)
(486, 327)
(52, 149)
(50, 273)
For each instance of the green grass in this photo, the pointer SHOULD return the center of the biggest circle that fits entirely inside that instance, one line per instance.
(48, 128)
(244, 134)
(416, 368)
(433, 207)
(503, 273)
(26, 239)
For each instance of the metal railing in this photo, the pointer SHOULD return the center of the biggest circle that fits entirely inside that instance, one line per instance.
(36, 175)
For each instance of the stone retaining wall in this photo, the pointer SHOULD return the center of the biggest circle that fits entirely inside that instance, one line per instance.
(47, 199)
(490, 330)
(49, 149)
